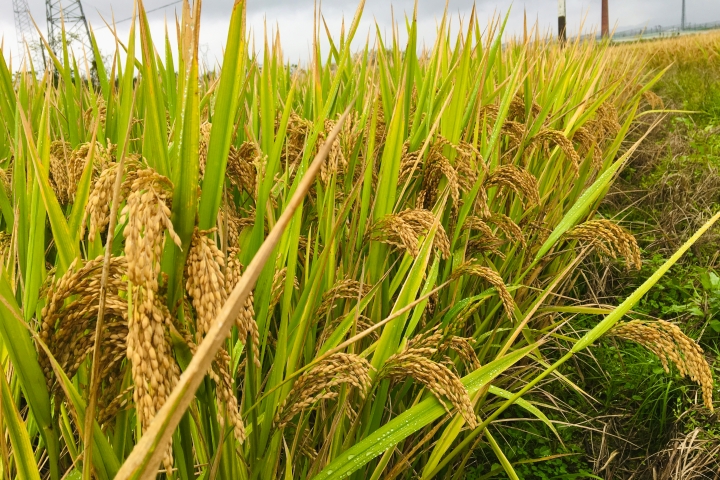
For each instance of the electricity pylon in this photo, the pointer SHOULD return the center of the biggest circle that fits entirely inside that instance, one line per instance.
(27, 38)
(70, 14)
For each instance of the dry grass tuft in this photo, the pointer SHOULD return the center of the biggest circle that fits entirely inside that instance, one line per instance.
(670, 344)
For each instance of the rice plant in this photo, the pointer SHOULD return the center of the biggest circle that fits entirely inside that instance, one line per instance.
(261, 272)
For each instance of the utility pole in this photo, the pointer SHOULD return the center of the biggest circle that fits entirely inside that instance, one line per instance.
(682, 21)
(27, 37)
(70, 14)
(605, 27)
(562, 31)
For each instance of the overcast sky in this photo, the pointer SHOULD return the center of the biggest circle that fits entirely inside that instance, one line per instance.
(294, 18)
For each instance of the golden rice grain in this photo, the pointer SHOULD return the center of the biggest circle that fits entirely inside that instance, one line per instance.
(610, 239)
(5, 246)
(205, 129)
(98, 205)
(490, 276)
(516, 179)
(404, 229)
(205, 282)
(361, 323)
(549, 135)
(245, 321)
(344, 289)
(415, 362)
(487, 242)
(101, 112)
(468, 162)
(68, 323)
(59, 176)
(296, 134)
(670, 344)
(481, 206)
(512, 230)
(437, 167)
(463, 347)
(588, 142)
(517, 109)
(154, 370)
(245, 167)
(335, 163)
(654, 100)
(409, 162)
(322, 382)
(607, 119)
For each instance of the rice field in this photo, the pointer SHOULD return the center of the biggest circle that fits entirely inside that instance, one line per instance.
(351, 269)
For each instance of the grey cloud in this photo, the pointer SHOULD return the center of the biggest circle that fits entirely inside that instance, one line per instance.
(294, 17)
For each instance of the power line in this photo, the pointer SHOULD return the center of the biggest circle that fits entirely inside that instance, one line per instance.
(146, 11)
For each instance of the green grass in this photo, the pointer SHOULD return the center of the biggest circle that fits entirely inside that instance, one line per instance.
(635, 399)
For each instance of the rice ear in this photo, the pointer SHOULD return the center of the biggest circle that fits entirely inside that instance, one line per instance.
(146, 456)
(404, 230)
(610, 239)
(492, 277)
(558, 138)
(415, 362)
(588, 142)
(516, 179)
(670, 344)
(322, 382)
